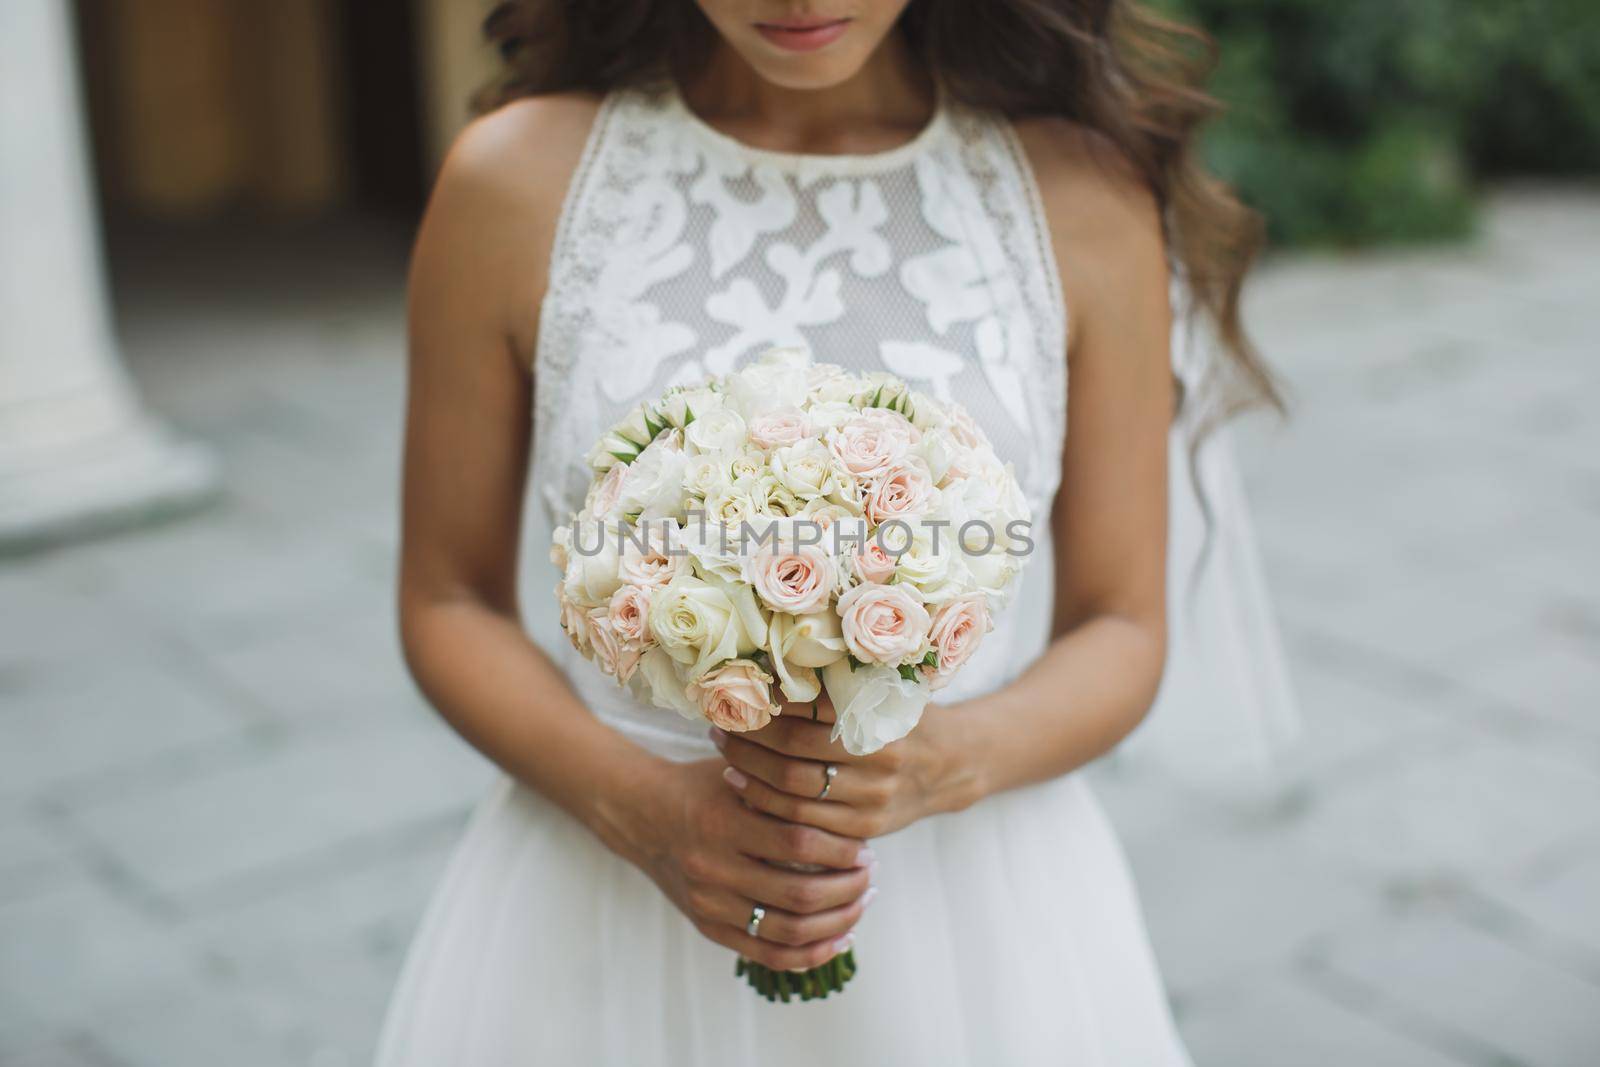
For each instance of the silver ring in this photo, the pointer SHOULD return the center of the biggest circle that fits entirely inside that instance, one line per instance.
(753, 927)
(830, 771)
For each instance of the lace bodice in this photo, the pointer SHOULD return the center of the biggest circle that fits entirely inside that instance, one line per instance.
(682, 252)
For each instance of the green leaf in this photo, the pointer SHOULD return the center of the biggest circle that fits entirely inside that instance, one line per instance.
(908, 671)
(626, 457)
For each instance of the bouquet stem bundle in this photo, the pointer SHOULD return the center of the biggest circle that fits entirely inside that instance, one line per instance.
(814, 984)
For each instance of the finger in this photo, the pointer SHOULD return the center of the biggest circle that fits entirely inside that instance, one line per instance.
(801, 777)
(767, 838)
(770, 954)
(778, 926)
(798, 891)
(832, 815)
(799, 737)
(819, 710)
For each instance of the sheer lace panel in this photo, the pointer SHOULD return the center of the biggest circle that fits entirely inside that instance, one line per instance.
(682, 252)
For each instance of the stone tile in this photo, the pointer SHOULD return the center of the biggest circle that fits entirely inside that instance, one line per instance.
(344, 664)
(1279, 1022)
(1470, 808)
(1480, 991)
(75, 723)
(1224, 906)
(301, 803)
(330, 950)
(1547, 676)
(70, 956)
(1561, 905)
(33, 856)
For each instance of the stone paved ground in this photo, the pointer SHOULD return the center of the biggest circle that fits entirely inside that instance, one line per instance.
(222, 807)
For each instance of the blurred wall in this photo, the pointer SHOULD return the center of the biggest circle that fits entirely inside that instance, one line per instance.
(288, 106)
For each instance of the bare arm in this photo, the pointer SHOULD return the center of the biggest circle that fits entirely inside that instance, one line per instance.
(1100, 674)
(479, 265)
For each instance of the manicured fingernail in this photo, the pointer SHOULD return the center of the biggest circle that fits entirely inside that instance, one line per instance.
(865, 857)
(734, 778)
(844, 943)
(868, 897)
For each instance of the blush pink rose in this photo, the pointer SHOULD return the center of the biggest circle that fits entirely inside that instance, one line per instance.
(774, 429)
(608, 493)
(655, 565)
(797, 581)
(872, 442)
(904, 491)
(958, 629)
(884, 624)
(964, 428)
(629, 613)
(572, 619)
(606, 646)
(736, 696)
(874, 563)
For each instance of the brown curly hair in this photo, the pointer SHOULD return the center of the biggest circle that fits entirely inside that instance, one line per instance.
(1112, 66)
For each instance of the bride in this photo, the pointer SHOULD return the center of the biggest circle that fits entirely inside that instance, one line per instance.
(990, 200)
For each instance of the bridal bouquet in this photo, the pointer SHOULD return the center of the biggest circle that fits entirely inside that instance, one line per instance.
(791, 528)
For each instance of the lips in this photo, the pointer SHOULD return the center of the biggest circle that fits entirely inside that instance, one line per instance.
(803, 35)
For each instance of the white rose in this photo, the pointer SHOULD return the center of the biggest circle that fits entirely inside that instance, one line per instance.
(666, 683)
(592, 563)
(746, 465)
(830, 383)
(704, 475)
(653, 487)
(682, 406)
(831, 414)
(874, 705)
(716, 431)
(777, 379)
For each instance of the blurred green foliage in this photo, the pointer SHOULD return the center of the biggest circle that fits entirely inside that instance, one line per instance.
(1356, 121)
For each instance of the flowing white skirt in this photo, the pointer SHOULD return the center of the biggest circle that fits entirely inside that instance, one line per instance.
(1008, 934)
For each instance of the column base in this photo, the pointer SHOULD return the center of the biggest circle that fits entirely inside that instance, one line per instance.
(140, 472)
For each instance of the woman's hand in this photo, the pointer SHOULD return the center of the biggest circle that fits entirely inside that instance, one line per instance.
(780, 770)
(706, 850)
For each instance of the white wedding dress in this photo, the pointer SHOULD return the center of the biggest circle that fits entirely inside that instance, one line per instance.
(1005, 935)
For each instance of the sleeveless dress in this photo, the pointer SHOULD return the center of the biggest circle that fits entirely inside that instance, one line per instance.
(1008, 934)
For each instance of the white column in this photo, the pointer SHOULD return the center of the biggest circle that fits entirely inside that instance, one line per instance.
(77, 452)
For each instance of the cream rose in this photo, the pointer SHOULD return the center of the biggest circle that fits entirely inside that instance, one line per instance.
(793, 579)
(884, 624)
(808, 470)
(700, 623)
(958, 629)
(736, 696)
(801, 644)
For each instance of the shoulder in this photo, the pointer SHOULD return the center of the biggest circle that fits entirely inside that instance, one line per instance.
(1105, 224)
(492, 215)
(520, 155)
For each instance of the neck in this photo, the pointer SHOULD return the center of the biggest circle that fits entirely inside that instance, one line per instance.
(887, 97)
